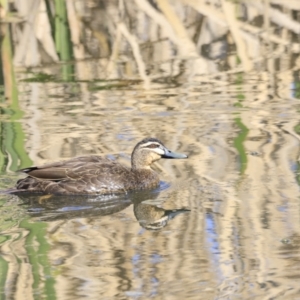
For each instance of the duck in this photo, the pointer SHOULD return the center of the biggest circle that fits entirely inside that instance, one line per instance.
(97, 175)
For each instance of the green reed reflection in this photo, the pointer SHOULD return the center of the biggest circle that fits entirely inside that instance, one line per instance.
(37, 249)
(239, 144)
(297, 171)
(9, 218)
(12, 135)
(3, 275)
(239, 140)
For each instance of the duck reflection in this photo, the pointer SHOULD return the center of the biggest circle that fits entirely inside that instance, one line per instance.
(152, 217)
(54, 207)
(58, 207)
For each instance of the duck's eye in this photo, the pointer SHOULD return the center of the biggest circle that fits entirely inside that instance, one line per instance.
(153, 146)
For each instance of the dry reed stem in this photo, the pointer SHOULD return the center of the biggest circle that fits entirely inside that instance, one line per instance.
(136, 53)
(229, 11)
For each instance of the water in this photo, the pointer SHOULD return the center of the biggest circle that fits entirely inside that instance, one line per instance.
(224, 224)
(240, 238)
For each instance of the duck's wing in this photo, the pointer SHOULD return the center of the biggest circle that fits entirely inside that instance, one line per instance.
(92, 175)
(72, 168)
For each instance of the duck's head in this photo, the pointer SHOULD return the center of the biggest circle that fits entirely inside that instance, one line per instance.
(152, 217)
(150, 150)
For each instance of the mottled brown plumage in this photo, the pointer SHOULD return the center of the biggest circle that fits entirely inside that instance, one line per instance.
(96, 174)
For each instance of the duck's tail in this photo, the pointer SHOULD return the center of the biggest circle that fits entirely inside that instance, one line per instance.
(10, 191)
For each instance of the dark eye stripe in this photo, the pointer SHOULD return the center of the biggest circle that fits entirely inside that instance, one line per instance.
(152, 146)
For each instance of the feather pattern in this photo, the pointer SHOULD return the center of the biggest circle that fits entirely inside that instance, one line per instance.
(96, 174)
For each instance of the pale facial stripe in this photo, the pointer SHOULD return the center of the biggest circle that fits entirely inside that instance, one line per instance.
(150, 143)
(158, 150)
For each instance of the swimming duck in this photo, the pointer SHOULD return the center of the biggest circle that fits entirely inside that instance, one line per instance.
(96, 174)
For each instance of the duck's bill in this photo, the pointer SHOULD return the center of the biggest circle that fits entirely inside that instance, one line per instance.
(174, 155)
(173, 213)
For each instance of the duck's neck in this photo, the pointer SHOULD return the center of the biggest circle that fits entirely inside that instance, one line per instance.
(141, 161)
(140, 164)
(145, 178)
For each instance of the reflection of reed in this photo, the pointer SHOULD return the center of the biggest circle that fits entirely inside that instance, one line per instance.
(12, 137)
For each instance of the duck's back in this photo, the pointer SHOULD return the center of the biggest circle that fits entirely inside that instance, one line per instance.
(86, 175)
